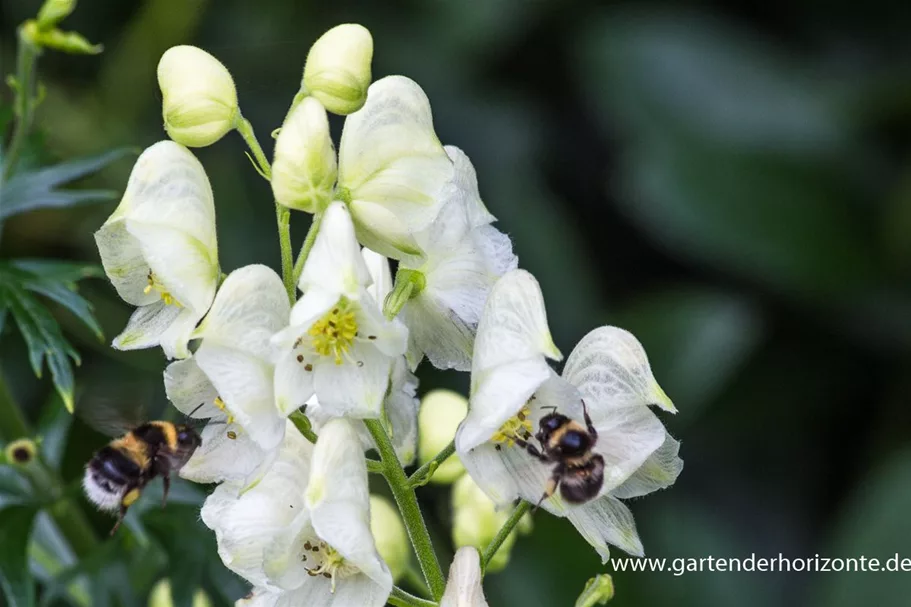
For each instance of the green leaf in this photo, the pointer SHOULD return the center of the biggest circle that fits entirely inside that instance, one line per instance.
(55, 270)
(15, 528)
(188, 544)
(37, 189)
(53, 429)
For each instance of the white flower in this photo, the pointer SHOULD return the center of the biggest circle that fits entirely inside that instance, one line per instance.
(230, 375)
(441, 413)
(198, 98)
(463, 588)
(304, 168)
(305, 546)
(337, 71)
(338, 345)
(159, 249)
(513, 388)
(392, 167)
(463, 257)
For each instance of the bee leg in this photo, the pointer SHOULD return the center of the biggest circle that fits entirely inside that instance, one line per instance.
(588, 422)
(166, 480)
(531, 449)
(130, 495)
(551, 487)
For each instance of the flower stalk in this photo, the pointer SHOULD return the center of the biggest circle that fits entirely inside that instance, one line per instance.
(25, 102)
(400, 598)
(503, 533)
(411, 512)
(422, 475)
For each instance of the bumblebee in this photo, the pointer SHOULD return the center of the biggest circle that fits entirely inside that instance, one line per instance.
(578, 472)
(117, 473)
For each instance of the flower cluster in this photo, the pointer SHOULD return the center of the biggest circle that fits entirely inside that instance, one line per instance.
(330, 346)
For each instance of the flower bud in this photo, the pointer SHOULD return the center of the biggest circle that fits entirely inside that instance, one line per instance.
(20, 452)
(53, 38)
(304, 167)
(476, 521)
(389, 535)
(199, 101)
(441, 413)
(337, 71)
(161, 596)
(53, 12)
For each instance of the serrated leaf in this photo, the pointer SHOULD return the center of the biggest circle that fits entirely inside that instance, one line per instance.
(63, 271)
(37, 189)
(69, 299)
(15, 528)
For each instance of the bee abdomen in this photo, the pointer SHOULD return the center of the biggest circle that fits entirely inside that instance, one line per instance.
(581, 484)
(107, 476)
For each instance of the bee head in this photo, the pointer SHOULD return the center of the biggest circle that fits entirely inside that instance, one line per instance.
(188, 438)
(552, 422)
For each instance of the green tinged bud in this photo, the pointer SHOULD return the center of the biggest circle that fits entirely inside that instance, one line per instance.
(598, 591)
(53, 12)
(337, 71)
(161, 596)
(199, 101)
(408, 285)
(390, 536)
(476, 521)
(67, 42)
(438, 419)
(304, 168)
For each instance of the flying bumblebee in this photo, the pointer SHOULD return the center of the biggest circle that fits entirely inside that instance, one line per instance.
(118, 472)
(578, 472)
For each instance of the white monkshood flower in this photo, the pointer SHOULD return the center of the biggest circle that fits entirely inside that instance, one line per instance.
(159, 249)
(513, 387)
(463, 588)
(392, 168)
(339, 346)
(198, 98)
(304, 168)
(337, 71)
(441, 413)
(463, 257)
(229, 379)
(320, 553)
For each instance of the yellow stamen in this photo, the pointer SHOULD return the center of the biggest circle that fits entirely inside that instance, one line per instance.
(518, 425)
(218, 402)
(334, 333)
(165, 295)
(331, 565)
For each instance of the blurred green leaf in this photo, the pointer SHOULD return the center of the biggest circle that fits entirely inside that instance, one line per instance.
(14, 488)
(652, 70)
(875, 524)
(189, 545)
(697, 340)
(15, 527)
(53, 429)
(29, 190)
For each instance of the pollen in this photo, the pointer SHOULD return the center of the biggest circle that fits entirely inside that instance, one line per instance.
(218, 402)
(155, 285)
(331, 564)
(517, 426)
(334, 333)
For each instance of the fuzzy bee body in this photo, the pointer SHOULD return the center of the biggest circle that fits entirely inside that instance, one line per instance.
(117, 473)
(578, 472)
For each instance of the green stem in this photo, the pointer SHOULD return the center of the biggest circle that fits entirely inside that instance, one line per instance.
(12, 422)
(246, 131)
(302, 423)
(503, 533)
(308, 244)
(409, 509)
(400, 598)
(24, 105)
(423, 474)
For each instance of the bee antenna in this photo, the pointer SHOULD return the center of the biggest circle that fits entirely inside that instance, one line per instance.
(552, 408)
(190, 414)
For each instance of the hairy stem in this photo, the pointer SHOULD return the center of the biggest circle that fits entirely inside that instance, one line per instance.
(24, 104)
(503, 533)
(400, 598)
(423, 474)
(409, 509)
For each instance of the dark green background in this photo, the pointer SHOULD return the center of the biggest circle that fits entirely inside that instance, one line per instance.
(730, 181)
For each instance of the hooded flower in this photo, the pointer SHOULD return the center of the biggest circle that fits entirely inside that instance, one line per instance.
(463, 588)
(338, 345)
(392, 169)
(463, 257)
(305, 542)
(159, 249)
(229, 379)
(513, 387)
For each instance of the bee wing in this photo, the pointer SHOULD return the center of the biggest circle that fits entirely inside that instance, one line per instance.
(113, 411)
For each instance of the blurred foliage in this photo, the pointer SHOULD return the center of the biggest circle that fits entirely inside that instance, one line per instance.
(730, 182)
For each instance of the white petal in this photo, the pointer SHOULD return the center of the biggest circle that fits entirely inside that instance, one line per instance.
(391, 157)
(606, 521)
(463, 588)
(513, 326)
(611, 370)
(380, 230)
(293, 384)
(244, 383)
(179, 262)
(466, 180)
(402, 411)
(335, 263)
(250, 307)
(188, 387)
(159, 324)
(354, 591)
(659, 471)
(310, 308)
(378, 266)
(391, 336)
(339, 500)
(626, 439)
(351, 389)
(498, 395)
(123, 263)
(500, 473)
(220, 458)
(496, 249)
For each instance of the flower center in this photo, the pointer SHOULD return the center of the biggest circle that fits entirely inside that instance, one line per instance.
(218, 402)
(328, 562)
(517, 426)
(334, 333)
(159, 288)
